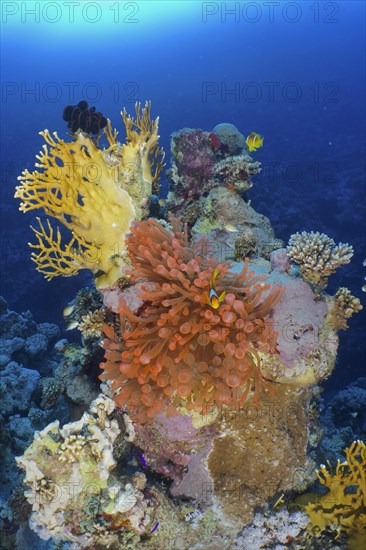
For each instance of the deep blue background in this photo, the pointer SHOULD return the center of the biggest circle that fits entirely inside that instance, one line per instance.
(292, 71)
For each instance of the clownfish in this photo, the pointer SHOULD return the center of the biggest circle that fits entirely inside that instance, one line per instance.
(254, 141)
(213, 299)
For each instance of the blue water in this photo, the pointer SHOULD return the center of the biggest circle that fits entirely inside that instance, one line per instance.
(292, 71)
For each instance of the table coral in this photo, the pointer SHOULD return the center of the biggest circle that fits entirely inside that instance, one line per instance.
(318, 255)
(94, 193)
(178, 349)
(343, 508)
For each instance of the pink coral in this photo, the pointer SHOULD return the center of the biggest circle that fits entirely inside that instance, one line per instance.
(178, 351)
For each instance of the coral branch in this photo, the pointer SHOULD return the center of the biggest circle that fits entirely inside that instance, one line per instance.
(317, 255)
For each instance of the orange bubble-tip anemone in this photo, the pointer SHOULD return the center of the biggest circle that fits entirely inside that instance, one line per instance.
(178, 350)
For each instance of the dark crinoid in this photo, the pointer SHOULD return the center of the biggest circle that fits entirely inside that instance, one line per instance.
(81, 117)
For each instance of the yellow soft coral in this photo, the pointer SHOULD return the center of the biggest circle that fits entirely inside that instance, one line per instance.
(94, 193)
(343, 508)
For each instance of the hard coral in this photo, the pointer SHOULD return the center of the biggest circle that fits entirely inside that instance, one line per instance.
(345, 305)
(102, 507)
(95, 193)
(178, 350)
(317, 255)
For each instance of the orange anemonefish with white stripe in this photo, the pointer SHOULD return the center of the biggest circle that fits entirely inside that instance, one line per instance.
(254, 141)
(213, 299)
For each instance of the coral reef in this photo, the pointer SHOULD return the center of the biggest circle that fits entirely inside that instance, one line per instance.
(87, 301)
(318, 255)
(209, 416)
(91, 324)
(179, 351)
(28, 359)
(223, 461)
(100, 508)
(190, 176)
(207, 180)
(211, 450)
(343, 507)
(25, 342)
(72, 374)
(94, 193)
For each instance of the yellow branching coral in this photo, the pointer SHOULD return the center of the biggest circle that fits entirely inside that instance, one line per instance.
(345, 305)
(94, 193)
(343, 508)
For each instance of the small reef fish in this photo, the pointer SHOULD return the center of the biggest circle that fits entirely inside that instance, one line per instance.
(142, 460)
(154, 529)
(231, 228)
(213, 299)
(68, 310)
(215, 142)
(72, 325)
(254, 141)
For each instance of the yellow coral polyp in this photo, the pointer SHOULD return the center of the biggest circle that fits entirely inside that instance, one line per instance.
(94, 193)
(343, 508)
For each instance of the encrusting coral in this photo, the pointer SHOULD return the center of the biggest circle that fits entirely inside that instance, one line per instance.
(94, 193)
(179, 350)
(343, 508)
(317, 255)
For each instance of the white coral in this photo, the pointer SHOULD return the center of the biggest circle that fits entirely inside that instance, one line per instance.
(66, 467)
